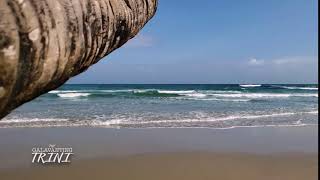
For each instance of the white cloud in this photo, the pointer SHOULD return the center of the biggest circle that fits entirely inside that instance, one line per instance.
(255, 62)
(288, 61)
(293, 60)
(141, 40)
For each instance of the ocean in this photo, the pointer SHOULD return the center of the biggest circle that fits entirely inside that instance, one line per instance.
(183, 105)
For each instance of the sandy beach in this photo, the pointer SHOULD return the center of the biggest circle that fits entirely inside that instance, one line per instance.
(159, 90)
(164, 153)
(197, 165)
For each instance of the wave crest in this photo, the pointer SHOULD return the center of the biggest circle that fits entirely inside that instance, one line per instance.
(223, 95)
(128, 122)
(250, 85)
(73, 95)
(298, 88)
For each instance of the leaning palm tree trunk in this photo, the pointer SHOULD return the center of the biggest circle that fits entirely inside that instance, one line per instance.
(45, 42)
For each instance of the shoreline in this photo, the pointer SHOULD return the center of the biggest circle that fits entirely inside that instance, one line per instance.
(113, 127)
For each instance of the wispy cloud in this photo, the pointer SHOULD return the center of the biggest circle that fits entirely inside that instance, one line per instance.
(255, 62)
(141, 40)
(297, 60)
(293, 60)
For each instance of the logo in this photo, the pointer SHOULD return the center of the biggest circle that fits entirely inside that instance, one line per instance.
(51, 154)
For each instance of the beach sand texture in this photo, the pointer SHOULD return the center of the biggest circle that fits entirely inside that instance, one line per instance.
(271, 153)
(184, 166)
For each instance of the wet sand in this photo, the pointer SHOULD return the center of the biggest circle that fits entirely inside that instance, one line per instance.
(240, 153)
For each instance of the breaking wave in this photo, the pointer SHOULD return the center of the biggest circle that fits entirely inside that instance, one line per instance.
(215, 95)
(250, 85)
(227, 118)
(73, 95)
(128, 122)
(298, 88)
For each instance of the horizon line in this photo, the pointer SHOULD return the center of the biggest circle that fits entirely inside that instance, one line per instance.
(189, 83)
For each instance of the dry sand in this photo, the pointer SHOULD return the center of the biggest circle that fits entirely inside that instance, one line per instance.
(184, 166)
(278, 153)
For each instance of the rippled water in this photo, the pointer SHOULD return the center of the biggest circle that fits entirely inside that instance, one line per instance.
(143, 106)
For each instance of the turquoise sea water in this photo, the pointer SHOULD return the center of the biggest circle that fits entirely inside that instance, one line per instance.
(146, 106)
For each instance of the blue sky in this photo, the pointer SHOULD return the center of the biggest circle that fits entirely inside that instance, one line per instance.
(218, 41)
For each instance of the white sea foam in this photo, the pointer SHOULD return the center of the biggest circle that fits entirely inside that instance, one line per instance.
(241, 97)
(312, 112)
(197, 95)
(201, 94)
(175, 92)
(305, 95)
(250, 85)
(211, 99)
(226, 100)
(62, 91)
(33, 120)
(116, 91)
(118, 122)
(227, 118)
(251, 95)
(221, 91)
(301, 88)
(112, 122)
(73, 95)
(271, 125)
(265, 95)
(142, 90)
(89, 91)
